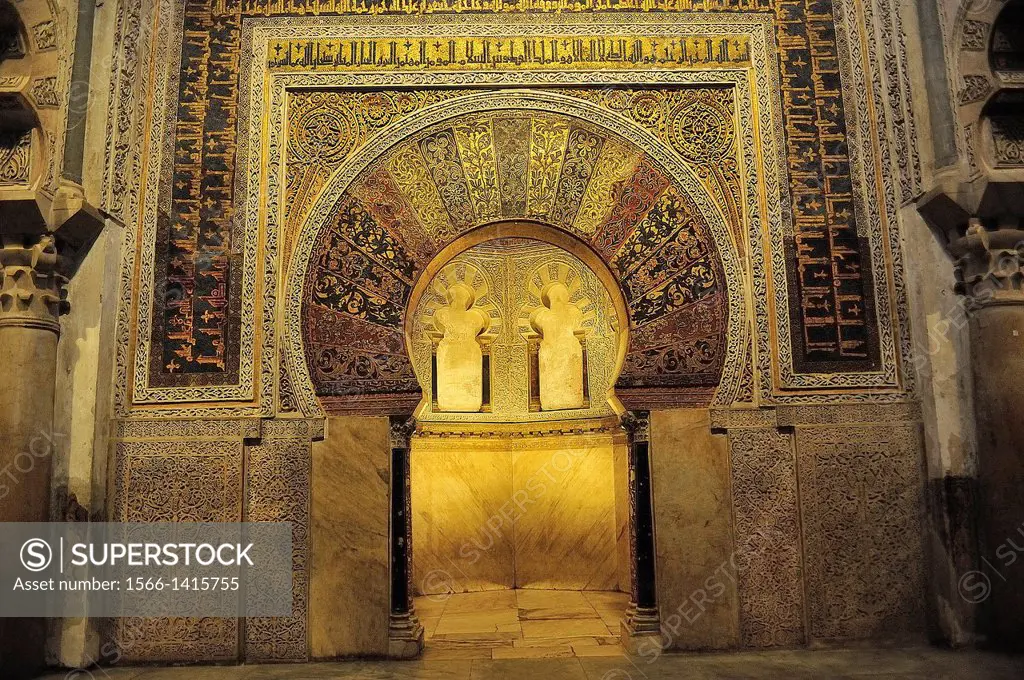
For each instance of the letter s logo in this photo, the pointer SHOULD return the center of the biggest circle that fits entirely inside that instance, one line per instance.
(36, 554)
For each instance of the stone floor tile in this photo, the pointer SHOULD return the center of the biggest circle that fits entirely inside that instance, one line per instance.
(465, 662)
(626, 668)
(485, 601)
(457, 653)
(528, 669)
(565, 628)
(603, 599)
(548, 652)
(478, 622)
(431, 605)
(553, 604)
(598, 650)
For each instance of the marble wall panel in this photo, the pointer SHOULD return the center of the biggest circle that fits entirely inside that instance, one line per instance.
(623, 568)
(493, 513)
(349, 576)
(566, 536)
(462, 515)
(696, 567)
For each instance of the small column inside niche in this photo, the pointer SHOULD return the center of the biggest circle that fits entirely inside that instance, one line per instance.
(405, 634)
(486, 368)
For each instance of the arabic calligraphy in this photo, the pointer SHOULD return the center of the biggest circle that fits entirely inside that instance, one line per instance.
(504, 53)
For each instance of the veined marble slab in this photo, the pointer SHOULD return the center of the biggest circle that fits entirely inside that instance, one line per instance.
(693, 519)
(462, 529)
(566, 533)
(545, 513)
(349, 579)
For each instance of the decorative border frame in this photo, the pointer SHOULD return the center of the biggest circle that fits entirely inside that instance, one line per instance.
(875, 196)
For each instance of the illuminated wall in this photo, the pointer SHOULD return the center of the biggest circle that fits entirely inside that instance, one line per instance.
(494, 512)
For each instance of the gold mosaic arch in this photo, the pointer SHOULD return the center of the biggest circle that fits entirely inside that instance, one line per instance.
(662, 234)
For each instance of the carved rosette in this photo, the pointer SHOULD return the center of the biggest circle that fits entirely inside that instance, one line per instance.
(990, 264)
(32, 288)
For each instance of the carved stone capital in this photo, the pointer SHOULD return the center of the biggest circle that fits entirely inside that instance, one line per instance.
(32, 288)
(401, 431)
(637, 425)
(990, 264)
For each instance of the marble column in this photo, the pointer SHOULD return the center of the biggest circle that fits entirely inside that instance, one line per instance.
(990, 272)
(31, 301)
(405, 634)
(642, 619)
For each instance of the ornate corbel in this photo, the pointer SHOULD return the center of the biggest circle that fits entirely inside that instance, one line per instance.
(990, 263)
(33, 290)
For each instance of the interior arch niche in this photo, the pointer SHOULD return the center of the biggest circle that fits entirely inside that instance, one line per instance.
(511, 282)
(519, 165)
(600, 182)
(526, 494)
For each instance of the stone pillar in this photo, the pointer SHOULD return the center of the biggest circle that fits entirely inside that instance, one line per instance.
(405, 634)
(31, 300)
(642, 619)
(990, 272)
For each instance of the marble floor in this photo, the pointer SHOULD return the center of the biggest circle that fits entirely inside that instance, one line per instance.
(522, 624)
(840, 664)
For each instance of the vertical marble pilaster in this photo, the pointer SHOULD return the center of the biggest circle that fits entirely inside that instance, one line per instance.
(642, 618)
(405, 634)
(693, 506)
(349, 580)
(31, 300)
(620, 463)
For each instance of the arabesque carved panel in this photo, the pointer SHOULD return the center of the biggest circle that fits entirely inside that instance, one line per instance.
(767, 526)
(177, 481)
(862, 499)
(278, 483)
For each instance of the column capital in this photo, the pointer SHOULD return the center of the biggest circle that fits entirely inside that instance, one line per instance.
(401, 430)
(32, 287)
(990, 264)
(637, 425)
